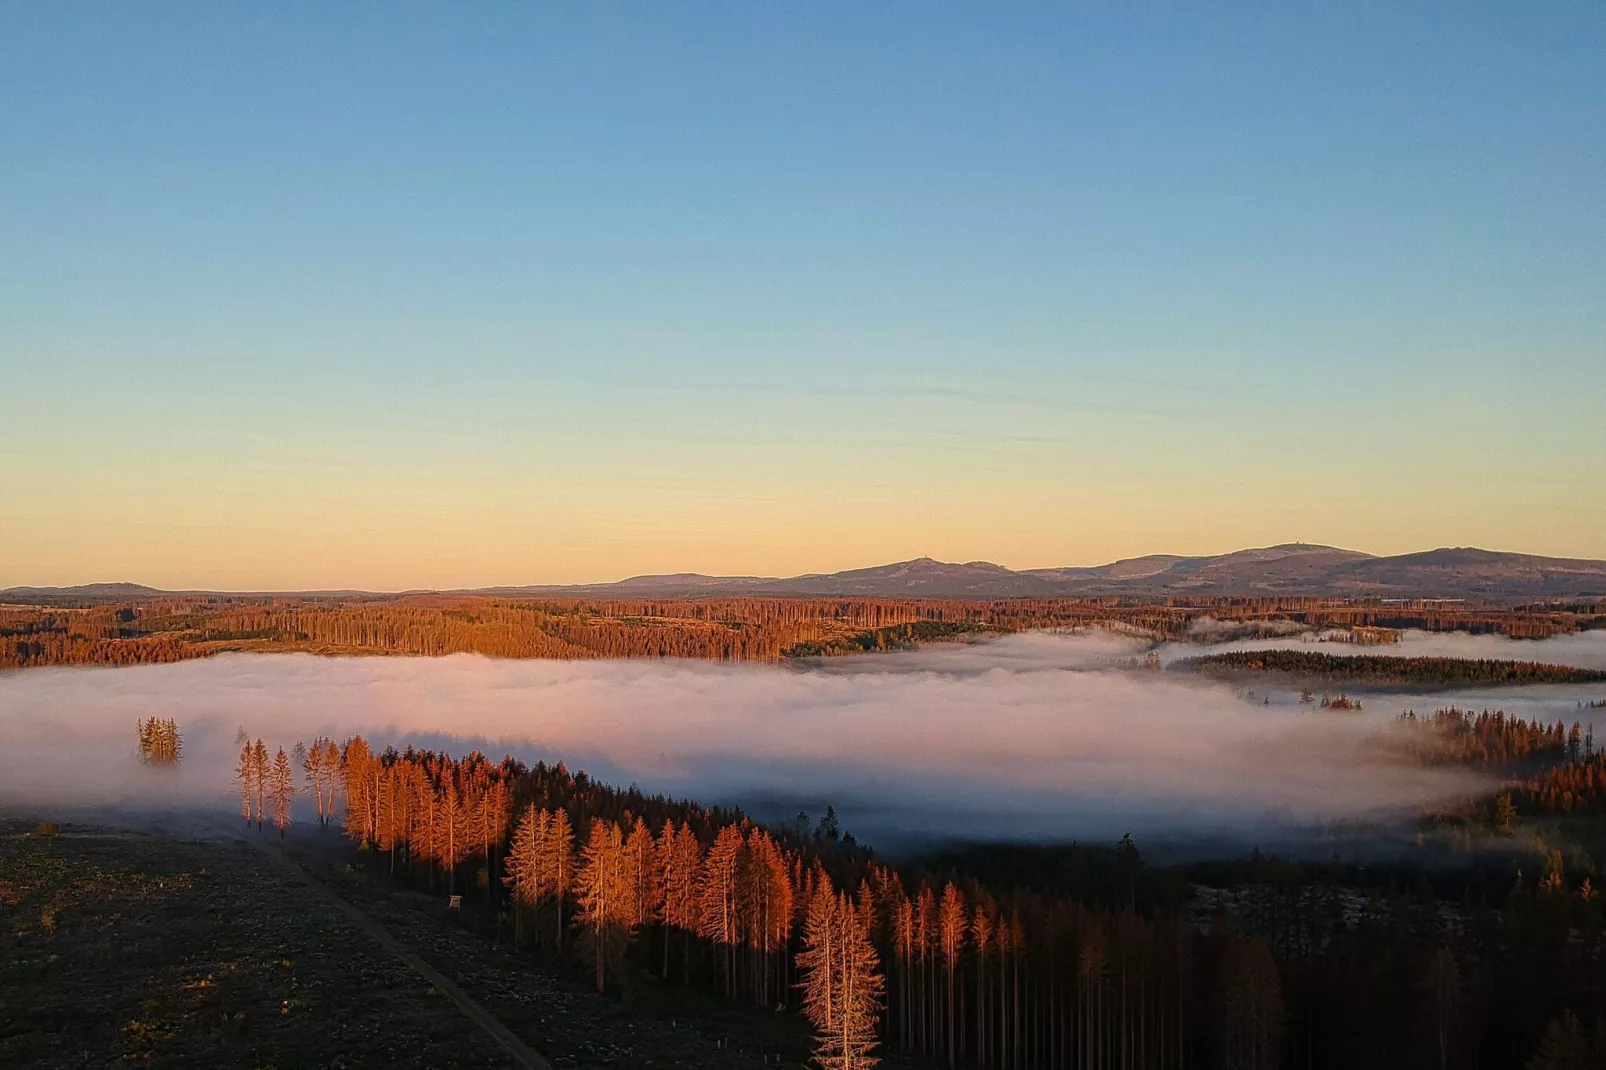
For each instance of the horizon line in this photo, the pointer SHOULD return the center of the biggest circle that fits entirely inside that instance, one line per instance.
(557, 587)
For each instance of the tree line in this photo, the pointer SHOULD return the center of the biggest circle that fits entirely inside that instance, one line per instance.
(759, 628)
(1384, 669)
(1452, 735)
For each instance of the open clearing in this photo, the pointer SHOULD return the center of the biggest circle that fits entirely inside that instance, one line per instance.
(121, 947)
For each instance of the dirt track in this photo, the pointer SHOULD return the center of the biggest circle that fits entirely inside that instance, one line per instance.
(516, 1049)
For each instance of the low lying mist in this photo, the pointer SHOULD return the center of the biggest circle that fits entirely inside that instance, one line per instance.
(1016, 738)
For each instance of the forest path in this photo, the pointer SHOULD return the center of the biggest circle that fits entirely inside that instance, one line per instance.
(521, 1054)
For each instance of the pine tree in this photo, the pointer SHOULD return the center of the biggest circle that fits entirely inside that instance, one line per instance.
(719, 921)
(259, 779)
(817, 961)
(356, 767)
(521, 869)
(159, 742)
(1251, 1007)
(647, 875)
(495, 808)
(982, 925)
(453, 827)
(245, 774)
(1563, 1047)
(766, 906)
(312, 766)
(425, 802)
(602, 886)
(951, 940)
(557, 863)
(330, 769)
(842, 983)
(281, 788)
(681, 860)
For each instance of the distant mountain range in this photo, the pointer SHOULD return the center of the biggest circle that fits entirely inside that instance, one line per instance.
(1290, 569)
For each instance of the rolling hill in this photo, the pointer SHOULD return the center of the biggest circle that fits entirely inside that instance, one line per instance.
(1288, 569)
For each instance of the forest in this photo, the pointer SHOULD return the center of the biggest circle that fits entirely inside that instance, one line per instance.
(173, 628)
(1020, 956)
(1385, 670)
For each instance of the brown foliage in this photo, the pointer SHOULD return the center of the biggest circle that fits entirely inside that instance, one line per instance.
(173, 628)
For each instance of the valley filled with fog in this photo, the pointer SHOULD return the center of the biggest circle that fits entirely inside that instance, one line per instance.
(1031, 736)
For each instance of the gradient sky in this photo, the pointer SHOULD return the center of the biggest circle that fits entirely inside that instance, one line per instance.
(310, 295)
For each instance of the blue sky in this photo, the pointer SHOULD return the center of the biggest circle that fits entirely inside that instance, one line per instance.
(425, 295)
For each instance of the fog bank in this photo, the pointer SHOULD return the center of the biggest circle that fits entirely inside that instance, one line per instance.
(1014, 738)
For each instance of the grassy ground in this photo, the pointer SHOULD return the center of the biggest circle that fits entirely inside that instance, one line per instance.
(651, 1025)
(121, 947)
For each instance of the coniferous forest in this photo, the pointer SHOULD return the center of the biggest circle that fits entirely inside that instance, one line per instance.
(175, 628)
(1383, 670)
(1023, 957)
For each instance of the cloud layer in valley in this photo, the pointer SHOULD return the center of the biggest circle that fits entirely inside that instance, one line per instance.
(1021, 737)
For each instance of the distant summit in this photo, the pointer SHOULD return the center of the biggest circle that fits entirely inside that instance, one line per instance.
(1288, 569)
(83, 593)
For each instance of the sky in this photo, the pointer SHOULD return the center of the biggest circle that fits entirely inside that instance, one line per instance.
(313, 296)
